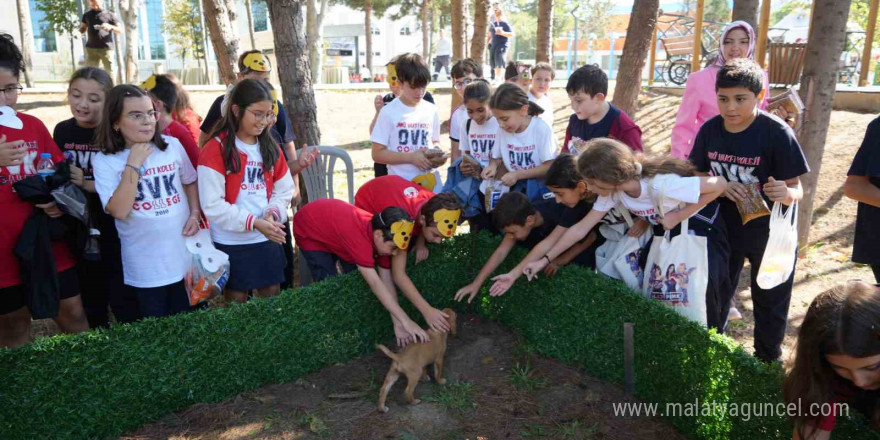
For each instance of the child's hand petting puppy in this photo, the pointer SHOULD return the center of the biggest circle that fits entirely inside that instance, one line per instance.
(437, 320)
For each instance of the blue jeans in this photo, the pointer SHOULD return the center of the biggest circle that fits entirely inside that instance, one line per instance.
(323, 264)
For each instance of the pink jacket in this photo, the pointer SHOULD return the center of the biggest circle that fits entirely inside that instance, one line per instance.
(698, 105)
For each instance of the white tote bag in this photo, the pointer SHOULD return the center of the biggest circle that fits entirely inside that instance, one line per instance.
(781, 251)
(620, 259)
(614, 237)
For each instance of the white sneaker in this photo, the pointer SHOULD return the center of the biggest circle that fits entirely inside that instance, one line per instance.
(734, 315)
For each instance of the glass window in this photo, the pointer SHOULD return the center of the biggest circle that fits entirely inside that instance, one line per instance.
(261, 15)
(44, 36)
(155, 12)
(405, 30)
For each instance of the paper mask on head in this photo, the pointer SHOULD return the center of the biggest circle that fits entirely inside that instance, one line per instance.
(257, 62)
(392, 75)
(447, 221)
(401, 233)
(427, 181)
(149, 83)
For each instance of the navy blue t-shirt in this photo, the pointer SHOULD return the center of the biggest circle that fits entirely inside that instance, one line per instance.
(866, 244)
(282, 131)
(552, 214)
(390, 97)
(766, 148)
(582, 129)
(497, 40)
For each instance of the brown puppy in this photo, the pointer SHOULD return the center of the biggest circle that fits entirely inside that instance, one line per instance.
(412, 362)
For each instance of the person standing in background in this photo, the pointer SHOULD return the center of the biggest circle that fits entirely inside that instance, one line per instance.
(500, 33)
(99, 26)
(442, 57)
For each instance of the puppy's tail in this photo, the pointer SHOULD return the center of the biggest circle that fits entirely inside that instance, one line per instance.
(387, 352)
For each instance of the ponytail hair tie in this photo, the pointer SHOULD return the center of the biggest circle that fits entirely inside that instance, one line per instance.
(638, 169)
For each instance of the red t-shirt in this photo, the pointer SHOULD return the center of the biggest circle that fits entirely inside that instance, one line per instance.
(177, 130)
(844, 391)
(192, 122)
(333, 226)
(386, 191)
(14, 212)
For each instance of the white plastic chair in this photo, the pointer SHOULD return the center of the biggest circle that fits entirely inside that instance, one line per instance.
(319, 185)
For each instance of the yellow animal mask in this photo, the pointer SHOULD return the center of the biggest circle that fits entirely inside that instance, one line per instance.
(149, 83)
(257, 62)
(401, 233)
(447, 221)
(275, 101)
(392, 75)
(427, 181)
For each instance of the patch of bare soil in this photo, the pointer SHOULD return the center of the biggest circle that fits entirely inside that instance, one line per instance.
(497, 389)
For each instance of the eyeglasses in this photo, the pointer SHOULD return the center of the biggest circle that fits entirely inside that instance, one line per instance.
(140, 117)
(12, 91)
(262, 117)
(461, 84)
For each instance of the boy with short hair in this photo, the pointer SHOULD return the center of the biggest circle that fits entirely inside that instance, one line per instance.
(163, 90)
(593, 116)
(463, 73)
(408, 126)
(751, 148)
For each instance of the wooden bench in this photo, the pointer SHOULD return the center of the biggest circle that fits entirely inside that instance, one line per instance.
(786, 63)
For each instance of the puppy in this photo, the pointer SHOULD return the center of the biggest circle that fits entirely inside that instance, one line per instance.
(412, 362)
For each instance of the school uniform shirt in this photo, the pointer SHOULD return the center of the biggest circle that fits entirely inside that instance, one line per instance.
(616, 124)
(669, 189)
(232, 216)
(545, 103)
(767, 147)
(405, 129)
(75, 143)
(526, 150)
(181, 133)
(479, 140)
(388, 97)
(458, 116)
(335, 227)
(15, 211)
(866, 243)
(153, 250)
(282, 131)
(552, 213)
(191, 121)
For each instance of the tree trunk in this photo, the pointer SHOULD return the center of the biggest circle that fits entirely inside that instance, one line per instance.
(635, 52)
(72, 55)
(232, 11)
(315, 36)
(288, 30)
(457, 29)
(26, 43)
(250, 18)
(223, 38)
(747, 11)
(117, 54)
(204, 42)
(368, 35)
(545, 31)
(817, 90)
(128, 10)
(481, 24)
(426, 31)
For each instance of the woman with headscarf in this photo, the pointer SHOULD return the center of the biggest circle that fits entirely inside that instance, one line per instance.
(699, 103)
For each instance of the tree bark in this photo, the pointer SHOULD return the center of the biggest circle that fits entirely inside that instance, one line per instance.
(426, 31)
(232, 11)
(368, 35)
(223, 38)
(26, 43)
(250, 18)
(315, 36)
(481, 24)
(635, 52)
(818, 83)
(128, 10)
(288, 30)
(747, 11)
(457, 29)
(205, 42)
(545, 31)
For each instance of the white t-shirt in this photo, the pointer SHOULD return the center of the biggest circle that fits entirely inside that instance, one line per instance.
(455, 131)
(251, 198)
(672, 190)
(547, 104)
(526, 150)
(444, 47)
(404, 129)
(480, 140)
(153, 250)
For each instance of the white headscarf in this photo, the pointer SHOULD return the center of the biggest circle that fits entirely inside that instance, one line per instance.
(720, 60)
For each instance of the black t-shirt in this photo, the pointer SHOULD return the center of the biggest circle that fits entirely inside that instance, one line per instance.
(390, 97)
(866, 244)
(498, 41)
(552, 213)
(99, 38)
(282, 131)
(75, 142)
(766, 148)
(570, 216)
(582, 129)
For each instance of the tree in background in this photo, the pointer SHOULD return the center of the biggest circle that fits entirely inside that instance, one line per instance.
(128, 12)
(223, 37)
(481, 29)
(26, 40)
(717, 11)
(544, 49)
(642, 22)
(316, 10)
(182, 25)
(747, 11)
(61, 17)
(250, 18)
(457, 34)
(370, 8)
(818, 83)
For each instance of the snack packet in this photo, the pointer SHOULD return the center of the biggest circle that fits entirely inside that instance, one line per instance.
(753, 205)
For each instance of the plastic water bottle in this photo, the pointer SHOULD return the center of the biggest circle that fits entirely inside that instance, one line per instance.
(45, 167)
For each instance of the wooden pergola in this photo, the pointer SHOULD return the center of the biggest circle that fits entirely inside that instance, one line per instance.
(761, 44)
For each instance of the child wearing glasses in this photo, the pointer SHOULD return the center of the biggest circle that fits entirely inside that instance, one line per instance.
(245, 188)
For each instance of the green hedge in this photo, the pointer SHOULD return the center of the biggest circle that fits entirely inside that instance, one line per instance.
(104, 383)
